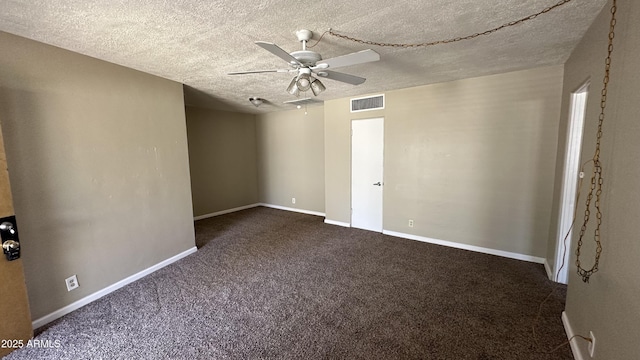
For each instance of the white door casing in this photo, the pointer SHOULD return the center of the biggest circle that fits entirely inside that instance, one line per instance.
(575, 128)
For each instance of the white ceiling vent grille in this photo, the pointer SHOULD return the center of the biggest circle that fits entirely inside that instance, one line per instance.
(375, 102)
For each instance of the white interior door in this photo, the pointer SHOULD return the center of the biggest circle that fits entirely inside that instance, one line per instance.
(367, 153)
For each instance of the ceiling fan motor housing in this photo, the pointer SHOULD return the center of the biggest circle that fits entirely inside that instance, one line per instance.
(307, 57)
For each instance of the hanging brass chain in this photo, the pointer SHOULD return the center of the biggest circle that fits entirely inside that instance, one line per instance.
(452, 40)
(596, 177)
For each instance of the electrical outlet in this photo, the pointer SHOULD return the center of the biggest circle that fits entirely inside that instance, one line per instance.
(410, 222)
(592, 344)
(72, 283)
(293, 200)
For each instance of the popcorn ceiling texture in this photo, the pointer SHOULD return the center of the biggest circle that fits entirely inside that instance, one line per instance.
(198, 42)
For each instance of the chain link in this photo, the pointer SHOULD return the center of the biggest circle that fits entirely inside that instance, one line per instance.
(451, 40)
(596, 177)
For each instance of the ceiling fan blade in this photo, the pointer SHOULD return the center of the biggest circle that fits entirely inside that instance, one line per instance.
(359, 57)
(277, 51)
(338, 76)
(259, 71)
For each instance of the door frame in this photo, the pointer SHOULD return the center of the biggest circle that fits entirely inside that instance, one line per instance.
(351, 171)
(571, 169)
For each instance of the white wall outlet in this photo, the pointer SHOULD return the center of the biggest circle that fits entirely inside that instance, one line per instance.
(410, 222)
(592, 344)
(293, 200)
(72, 283)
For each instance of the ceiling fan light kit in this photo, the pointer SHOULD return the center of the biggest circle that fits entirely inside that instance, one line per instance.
(317, 87)
(307, 63)
(304, 80)
(293, 88)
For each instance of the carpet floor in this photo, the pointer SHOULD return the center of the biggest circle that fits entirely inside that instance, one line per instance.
(271, 284)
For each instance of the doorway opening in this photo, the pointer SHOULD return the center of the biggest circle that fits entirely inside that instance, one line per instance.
(575, 127)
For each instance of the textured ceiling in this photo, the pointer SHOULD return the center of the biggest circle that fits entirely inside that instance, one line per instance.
(198, 42)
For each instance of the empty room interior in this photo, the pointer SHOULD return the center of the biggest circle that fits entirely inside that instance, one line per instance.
(194, 180)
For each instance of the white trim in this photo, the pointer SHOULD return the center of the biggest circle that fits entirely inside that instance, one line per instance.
(548, 269)
(456, 245)
(310, 212)
(109, 289)
(570, 173)
(338, 223)
(577, 354)
(205, 216)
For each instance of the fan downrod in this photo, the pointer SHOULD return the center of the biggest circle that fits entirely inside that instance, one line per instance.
(304, 56)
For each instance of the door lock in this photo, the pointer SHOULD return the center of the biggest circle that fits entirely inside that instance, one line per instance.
(378, 184)
(6, 226)
(9, 234)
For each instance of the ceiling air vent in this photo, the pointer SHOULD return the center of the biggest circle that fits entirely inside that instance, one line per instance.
(375, 102)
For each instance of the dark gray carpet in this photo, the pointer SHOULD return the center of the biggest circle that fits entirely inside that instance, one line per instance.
(279, 285)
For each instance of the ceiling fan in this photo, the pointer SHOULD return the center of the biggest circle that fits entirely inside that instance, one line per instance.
(309, 65)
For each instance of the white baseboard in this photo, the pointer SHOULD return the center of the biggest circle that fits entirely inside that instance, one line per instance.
(577, 354)
(339, 223)
(480, 249)
(205, 216)
(548, 269)
(310, 212)
(316, 213)
(109, 289)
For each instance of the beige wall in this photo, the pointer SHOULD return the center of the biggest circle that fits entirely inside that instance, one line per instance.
(291, 158)
(99, 169)
(608, 305)
(471, 161)
(222, 158)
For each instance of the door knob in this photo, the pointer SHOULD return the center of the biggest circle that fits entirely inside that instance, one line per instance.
(11, 249)
(10, 245)
(378, 184)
